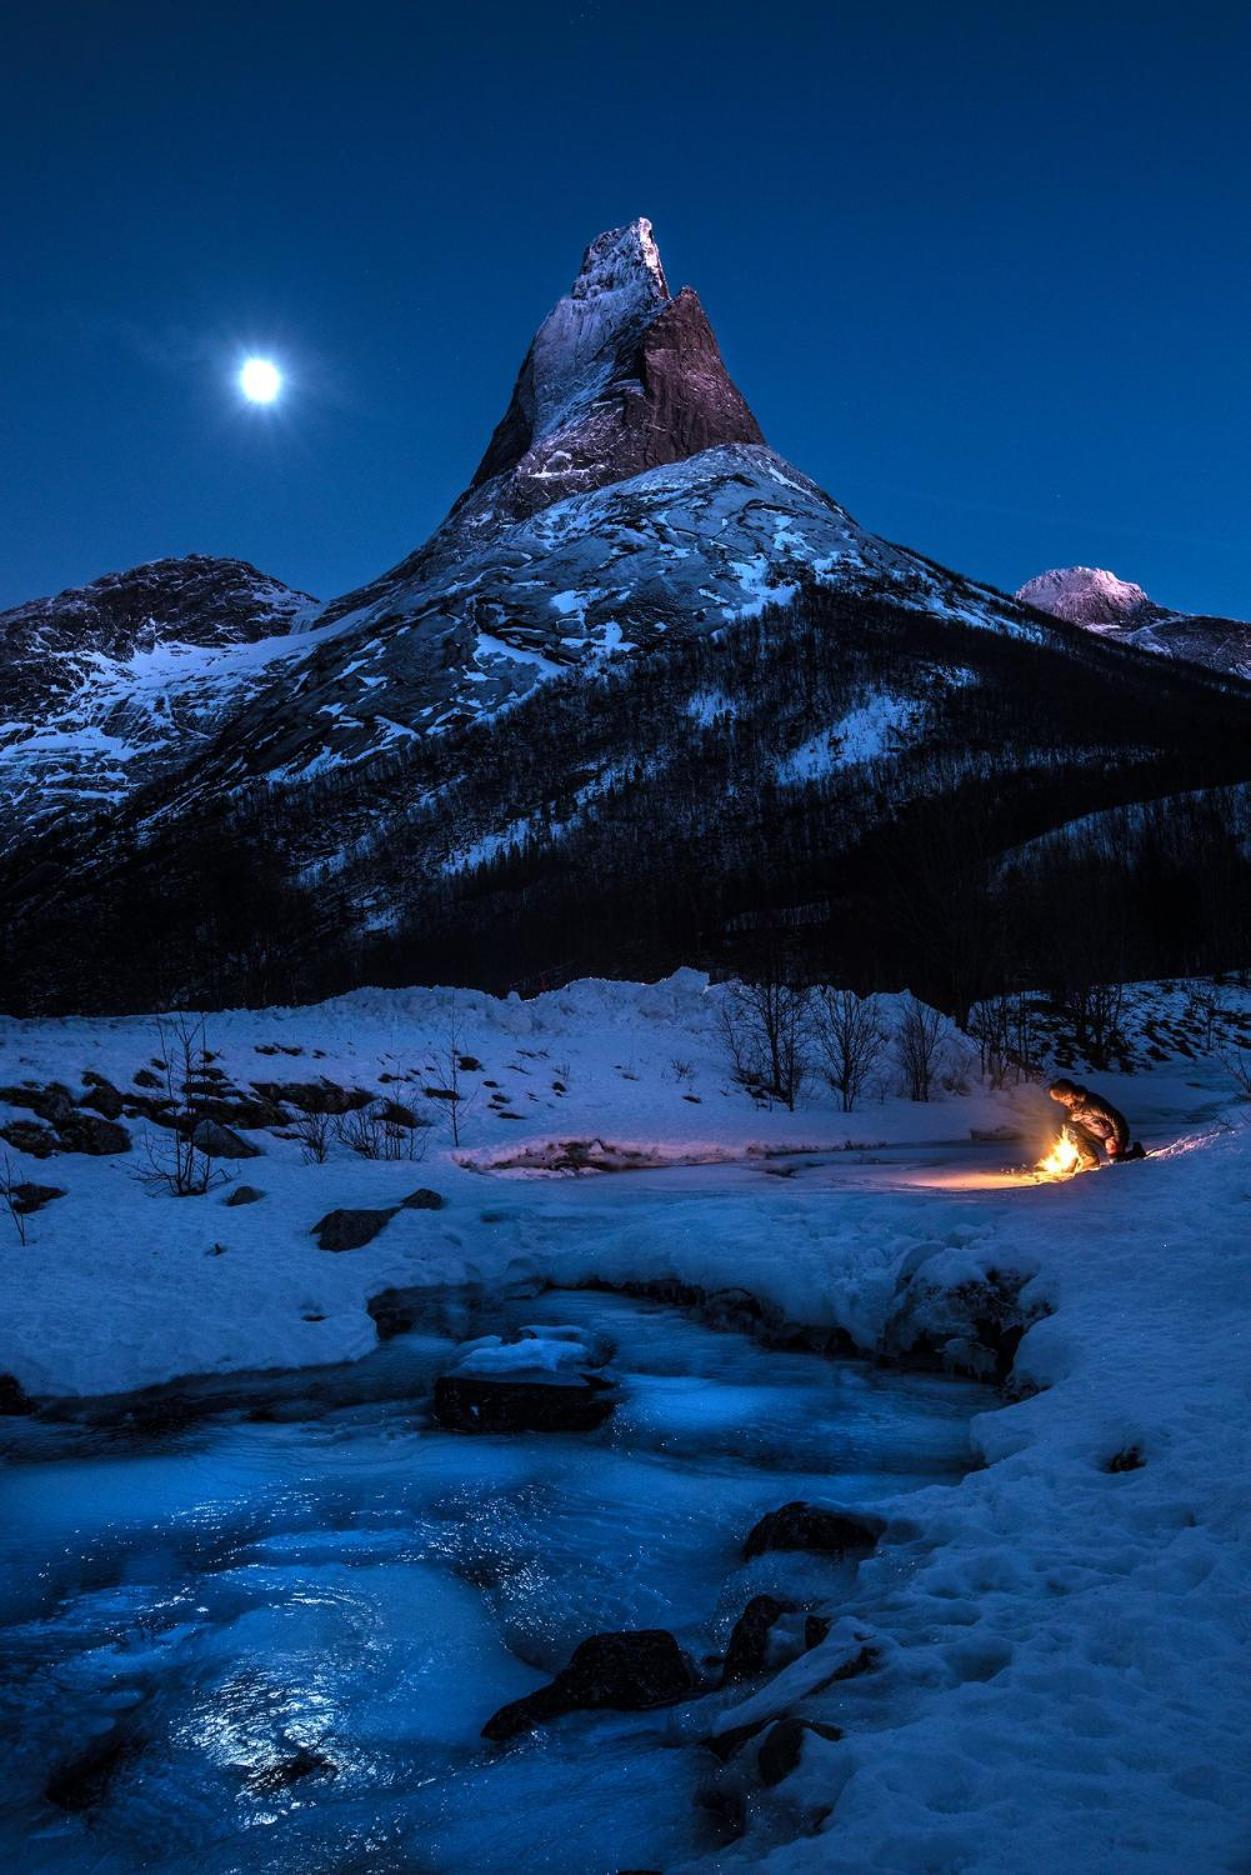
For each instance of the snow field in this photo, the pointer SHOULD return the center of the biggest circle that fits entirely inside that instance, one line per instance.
(1059, 1677)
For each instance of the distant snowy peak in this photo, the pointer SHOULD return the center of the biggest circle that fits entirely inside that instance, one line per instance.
(1085, 595)
(1096, 599)
(103, 687)
(198, 599)
(619, 378)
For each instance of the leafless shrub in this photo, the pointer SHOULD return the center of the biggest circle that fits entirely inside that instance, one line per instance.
(314, 1131)
(918, 1047)
(375, 1132)
(176, 1165)
(850, 1040)
(682, 1070)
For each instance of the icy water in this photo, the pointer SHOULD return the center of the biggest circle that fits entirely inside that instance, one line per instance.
(317, 1580)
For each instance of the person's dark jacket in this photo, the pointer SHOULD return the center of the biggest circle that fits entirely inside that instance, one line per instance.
(1098, 1116)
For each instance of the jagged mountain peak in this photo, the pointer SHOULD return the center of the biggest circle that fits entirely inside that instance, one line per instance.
(619, 259)
(1084, 595)
(620, 377)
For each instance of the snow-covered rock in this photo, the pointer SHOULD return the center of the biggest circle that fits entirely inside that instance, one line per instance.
(1085, 595)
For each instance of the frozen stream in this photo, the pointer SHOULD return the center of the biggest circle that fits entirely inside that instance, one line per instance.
(281, 1625)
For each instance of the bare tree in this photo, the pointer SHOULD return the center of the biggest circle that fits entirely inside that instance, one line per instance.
(764, 1023)
(1004, 1030)
(918, 1047)
(450, 1058)
(175, 1163)
(12, 1202)
(850, 1040)
(1207, 1008)
(1093, 1010)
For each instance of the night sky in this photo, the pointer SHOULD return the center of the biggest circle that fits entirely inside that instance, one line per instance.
(985, 276)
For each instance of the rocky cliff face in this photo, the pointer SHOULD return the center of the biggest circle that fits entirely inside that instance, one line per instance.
(619, 378)
(1100, 602)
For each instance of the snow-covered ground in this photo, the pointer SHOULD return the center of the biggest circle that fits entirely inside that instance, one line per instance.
(1058, 1678)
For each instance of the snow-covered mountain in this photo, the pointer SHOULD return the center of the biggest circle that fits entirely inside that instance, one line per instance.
(1092, 597)
(646, 684)
(111, 685)
(626, 495)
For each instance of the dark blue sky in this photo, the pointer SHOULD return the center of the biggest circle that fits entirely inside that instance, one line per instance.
(985, 275)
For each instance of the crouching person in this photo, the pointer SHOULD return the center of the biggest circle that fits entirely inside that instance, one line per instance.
(1093, 1122)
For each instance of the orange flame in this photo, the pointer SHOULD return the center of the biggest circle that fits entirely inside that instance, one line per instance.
(1062, 1159)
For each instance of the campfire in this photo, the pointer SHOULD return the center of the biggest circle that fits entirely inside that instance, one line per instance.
(1062, 1159)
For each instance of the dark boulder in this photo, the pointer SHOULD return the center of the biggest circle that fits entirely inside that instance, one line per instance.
(228, 1108)
(423, 1200)
(86, 1132)
(313, 1096)
(395, 1113)
(160, 1110)
(783, 1744)
(14, 1398)
(628, 1672)
(104, 1099)
(220, 1142)
(809, 1527)
(350, 1230)
(478, 1403)
(244, 1194)
(27, 1198)
(53, 1103)
(749, 1643)
(37, 1142)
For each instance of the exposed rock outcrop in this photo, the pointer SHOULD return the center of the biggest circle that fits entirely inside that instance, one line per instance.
(630, 1672)
(812, 1527)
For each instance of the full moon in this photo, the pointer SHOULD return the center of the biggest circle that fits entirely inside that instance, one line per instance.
(260, 380)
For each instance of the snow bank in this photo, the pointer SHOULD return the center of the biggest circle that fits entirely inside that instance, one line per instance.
(1057, 1677)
